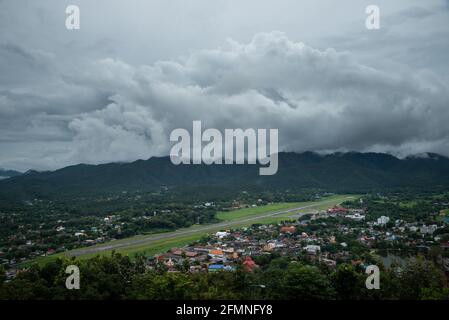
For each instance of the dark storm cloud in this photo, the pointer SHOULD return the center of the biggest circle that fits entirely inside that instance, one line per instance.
(329, 101)
(95, 97)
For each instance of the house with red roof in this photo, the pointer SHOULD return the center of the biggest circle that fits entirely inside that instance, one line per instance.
(249, 265)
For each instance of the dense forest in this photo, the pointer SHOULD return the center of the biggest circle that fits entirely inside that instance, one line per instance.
(338, 172)
(119, 277)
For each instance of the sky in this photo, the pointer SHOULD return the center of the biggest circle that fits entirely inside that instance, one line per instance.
(137, 69)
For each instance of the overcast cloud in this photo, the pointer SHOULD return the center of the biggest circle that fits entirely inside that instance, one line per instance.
(115, 89)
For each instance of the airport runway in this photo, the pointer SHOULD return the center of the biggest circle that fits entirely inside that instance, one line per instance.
(131, 242)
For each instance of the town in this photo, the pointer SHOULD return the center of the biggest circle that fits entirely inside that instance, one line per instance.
(337, 235)
(320, 252)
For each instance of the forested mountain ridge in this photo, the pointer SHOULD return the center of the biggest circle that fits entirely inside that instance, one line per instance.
(4, 174)
(334, 172)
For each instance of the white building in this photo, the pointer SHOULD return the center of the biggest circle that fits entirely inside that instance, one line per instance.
(383, 220)
(312, 249)
(221, 235)
(355, 217)
(428, 229)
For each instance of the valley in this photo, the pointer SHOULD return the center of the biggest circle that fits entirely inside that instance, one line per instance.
(156, 243)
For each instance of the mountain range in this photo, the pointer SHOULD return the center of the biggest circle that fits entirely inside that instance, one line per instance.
(349, 172)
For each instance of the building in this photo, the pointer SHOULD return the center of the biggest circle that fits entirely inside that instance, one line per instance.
(215, 267)
(216, 254)
(221, 234)
(355, 217)
(169, 263)
(336, 210)
(289, 229)
(428, 229)
(330, 263)
(229, 268)
(191, 254)
(312, 249)
(383, 220)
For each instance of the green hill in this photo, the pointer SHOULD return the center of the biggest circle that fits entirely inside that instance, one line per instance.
(342, 172)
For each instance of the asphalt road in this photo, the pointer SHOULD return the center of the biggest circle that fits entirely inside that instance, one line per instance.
(131, 242)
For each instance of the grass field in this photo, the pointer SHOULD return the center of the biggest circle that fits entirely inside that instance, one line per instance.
(248, 212)
(408, 204)
(181, 237)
